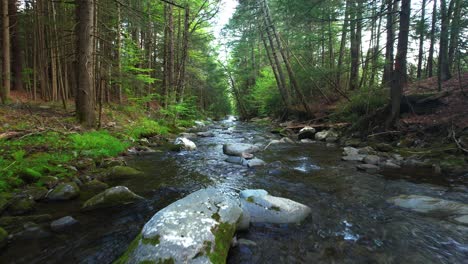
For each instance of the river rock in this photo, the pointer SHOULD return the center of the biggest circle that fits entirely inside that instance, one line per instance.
(389, 165)
(372, 159)
(323, 135)
(255, 163)
(32, 231)
(369, 168)
(114, 196)
(188, 135)
(205, 134)
(433, 206)
(353, 157)
(36, 193)
(49, 181)
(350, 151)
(236, 160)
(21, 205)
(384, 147)
(286, 140)
(3, 238)
(122, 172)
(307, 141)
(63, 223)
(236, 149)
(185, 143)
(264, 208)
(306, 132)
(64, 191)
(95, 185)
(196, 229)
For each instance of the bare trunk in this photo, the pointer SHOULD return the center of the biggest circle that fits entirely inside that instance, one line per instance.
(421, 39)
(430, 59)
(5, 89)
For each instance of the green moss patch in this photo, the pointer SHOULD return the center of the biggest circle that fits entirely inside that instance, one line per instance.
(124, 258)
(224, 232)
(151, 241)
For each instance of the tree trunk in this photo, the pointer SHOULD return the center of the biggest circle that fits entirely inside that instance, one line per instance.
(430, 59)
(421, 39)
(454, 33)
(443, 72)
(85, 95)
(16, 47)
(344, 32)
(388, 68)
(399, 80)
(5, 89)
(355, 47)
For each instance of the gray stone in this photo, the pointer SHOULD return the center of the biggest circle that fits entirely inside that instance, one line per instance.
(185, 143)
(255, 163)
(32, 231)
(188, 135)
(366, 150)
(353, 157)
(369, 168)
(323, 135)
(286, 140)
(390, 165)
(433, 206)
(347, 151)
(307, 141)
(21, 205)
(236, 160)
(331, 139)
(63, 223)
(64, 191)
(236, 149)
(122, 172)
(188, 230)
(264, 208)
(372, 159)
(205, 134)
(114, 196)
(306, 132)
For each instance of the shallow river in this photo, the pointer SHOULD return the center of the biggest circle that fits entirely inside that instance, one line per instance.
(351, 221)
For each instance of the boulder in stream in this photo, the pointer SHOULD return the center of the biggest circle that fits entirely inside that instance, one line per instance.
(185, 144)
(63, 223)
(122, 172)
(323, 135)
(196, 229)
(369, 168)
(433, 206)
(264, 208)
(236, 149)
(236, 160)
(64, 191)
(255, 163)
(114, 196)
(306, 132)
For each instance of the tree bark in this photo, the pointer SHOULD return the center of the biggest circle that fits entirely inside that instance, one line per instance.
(5, 89)
(85, 95)
(421, 39)
(399, 80)
(430, 59)
(388, 67)
(443, 72)
(344, 32)
(16, 47)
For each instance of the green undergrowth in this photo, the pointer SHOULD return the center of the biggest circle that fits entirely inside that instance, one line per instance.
(361, 103)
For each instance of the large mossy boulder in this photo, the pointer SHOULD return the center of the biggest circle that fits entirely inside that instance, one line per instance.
(237, 149)
(29, 175)
(196, 229)
(122, 172)
(114, 196)
(265, 208)
(64, 191)
(3, 238)
(21, 206)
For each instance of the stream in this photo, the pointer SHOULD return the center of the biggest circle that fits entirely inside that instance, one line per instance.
(351, 222)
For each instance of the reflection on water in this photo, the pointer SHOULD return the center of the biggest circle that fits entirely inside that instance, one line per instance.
(351, 222)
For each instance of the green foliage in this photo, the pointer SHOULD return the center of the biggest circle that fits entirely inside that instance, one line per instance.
(181, 114)
(97, 144)
(362, 103)
(265, 95)
(145, 127)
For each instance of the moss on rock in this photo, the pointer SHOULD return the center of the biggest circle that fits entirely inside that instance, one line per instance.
(3, 237)
(224, 232)
(21, 206)
(122, 172)
(133, 245)
(111, 197)
(64, 191)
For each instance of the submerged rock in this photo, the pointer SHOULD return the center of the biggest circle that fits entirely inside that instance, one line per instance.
(32, 231)
(114, 196)
(122, 172)
(185, 143)
(433, 206)
(196, 229)
(205, 134)
(64, 191)
(63, 223)
(236, 149)
(372, 159)
(306, 133)
(264, 208)
(236, 160)
(369, 168)
(255, 163)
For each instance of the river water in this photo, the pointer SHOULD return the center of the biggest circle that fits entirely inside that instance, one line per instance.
(351, 222)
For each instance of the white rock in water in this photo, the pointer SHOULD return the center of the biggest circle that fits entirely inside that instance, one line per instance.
(236, 149)
(264, 208)
(186, 230)
(185, 143)
(431, 205)
(322, 135)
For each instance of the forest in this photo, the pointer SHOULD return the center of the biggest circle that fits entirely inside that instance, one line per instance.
(128, 106)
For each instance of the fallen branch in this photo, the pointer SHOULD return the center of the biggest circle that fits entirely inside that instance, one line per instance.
(459, 146)
(384, 133)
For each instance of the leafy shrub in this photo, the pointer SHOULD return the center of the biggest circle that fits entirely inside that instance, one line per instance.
(97, 144)
(266, 97)
(145, 127)
(362, 103)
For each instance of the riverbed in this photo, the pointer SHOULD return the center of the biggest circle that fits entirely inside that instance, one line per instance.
(351, 220)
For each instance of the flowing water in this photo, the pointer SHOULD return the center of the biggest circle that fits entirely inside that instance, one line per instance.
(351, 222)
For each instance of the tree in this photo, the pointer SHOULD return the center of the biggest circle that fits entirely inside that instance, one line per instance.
(399, 76)
(85, 97)
(421, 27)
(430, 60)
(443, 70)
(5, 89)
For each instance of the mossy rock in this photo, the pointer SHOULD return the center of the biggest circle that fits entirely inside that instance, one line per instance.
(122, 172)
(95, 185)
(48, 181)
(114, 196)
(64, 191)
(4, 201)
(36, 193)
(384, 147)
(108, 163)
(85, 164)
(21, 206)
(3, 237)
(14, 224)
(28, 175)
